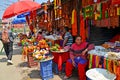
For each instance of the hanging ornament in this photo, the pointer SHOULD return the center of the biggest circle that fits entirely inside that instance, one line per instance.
(118, 11)
(45, 10)
(88, 12)
(98, 11)
(115, 2)
(55, 5)
(60, 9)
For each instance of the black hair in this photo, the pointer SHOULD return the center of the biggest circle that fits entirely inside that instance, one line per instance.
(77, 37)
(66, 28)
(40, 32)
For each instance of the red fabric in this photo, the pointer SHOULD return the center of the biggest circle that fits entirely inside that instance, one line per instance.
(93, 61)
(116, 38)
(90, 2)
(97, 1)
(19, 8)
(74, 25)
(81, 70)
(82, 28)
(79, 47)
(60, 58)
(68, 69)
(115, 2)
(104, 9)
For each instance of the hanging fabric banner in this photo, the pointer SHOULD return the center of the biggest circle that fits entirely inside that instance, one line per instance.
(115, 2)
(74, 22)
(88, 12)
(98, 11)
(82, 28)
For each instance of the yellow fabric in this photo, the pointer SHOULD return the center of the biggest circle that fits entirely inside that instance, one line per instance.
(72, 22)
(118, 11)
(97, 61)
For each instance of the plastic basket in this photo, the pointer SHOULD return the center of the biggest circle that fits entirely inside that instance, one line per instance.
(46, 70)
(31, 62)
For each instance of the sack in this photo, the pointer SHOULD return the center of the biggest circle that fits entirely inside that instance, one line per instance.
(5, 36)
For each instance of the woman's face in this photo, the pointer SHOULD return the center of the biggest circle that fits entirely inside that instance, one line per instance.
(78, 40)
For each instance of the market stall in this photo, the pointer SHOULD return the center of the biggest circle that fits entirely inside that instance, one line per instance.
(106, 56)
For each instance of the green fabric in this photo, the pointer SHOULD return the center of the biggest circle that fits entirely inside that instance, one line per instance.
(88, 12)
(90, 63)
(106, 14)
(107, 63)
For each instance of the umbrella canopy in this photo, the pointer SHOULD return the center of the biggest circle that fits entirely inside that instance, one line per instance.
(19, 8)
(23, 15)
(19, 20)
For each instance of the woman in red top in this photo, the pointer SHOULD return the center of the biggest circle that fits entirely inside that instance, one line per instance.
(78, 58)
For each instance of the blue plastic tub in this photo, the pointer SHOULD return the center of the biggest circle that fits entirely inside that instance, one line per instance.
(46, 70)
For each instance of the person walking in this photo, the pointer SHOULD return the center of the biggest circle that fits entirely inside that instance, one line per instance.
(7, 40)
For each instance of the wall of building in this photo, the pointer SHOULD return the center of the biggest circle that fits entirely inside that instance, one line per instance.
(100, 35)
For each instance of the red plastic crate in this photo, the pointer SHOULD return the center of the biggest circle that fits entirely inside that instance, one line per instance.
(31, 62)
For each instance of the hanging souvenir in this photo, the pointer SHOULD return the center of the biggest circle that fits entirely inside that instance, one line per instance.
(102, 23)
(112, 11)
(115, 2)
(90, 61)
(98, 11)
(60, 9)
(98, 23)
(82, 28)
(90, 2)
(96, 1)
(118, 10)
(105, 7)
(55, 5)
(88, 12)
(114, 21)
(45, 10)
(107, 22)
(83, 3)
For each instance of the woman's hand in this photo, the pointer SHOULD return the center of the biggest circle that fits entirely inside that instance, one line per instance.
(73, 62)
(84, 52)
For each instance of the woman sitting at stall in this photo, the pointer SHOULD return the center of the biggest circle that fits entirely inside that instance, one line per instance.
(78, 58)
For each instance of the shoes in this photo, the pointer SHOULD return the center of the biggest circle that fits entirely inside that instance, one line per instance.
(65, 77)
(9, 62)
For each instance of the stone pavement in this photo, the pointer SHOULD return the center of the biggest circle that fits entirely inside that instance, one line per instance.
(20, 69)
